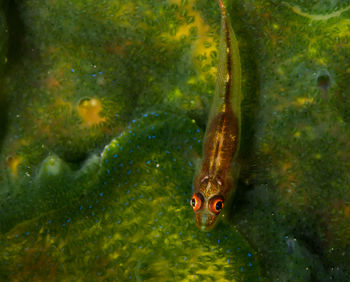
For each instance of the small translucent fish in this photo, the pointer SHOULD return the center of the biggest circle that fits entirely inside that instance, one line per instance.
(216, 178)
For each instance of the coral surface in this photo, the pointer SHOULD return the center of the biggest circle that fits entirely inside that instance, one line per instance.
(103, 105)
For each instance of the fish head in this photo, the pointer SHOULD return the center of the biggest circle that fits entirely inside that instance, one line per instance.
(206, 209)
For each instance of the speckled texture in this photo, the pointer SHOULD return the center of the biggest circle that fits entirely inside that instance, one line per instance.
(135, 223)
(301, 194)
(89, 69)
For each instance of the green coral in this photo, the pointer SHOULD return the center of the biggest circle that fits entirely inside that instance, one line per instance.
(142, 74)
(134, 223)
(301, 193)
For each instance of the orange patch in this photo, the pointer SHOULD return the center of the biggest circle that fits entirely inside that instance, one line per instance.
(13, 163)
(117, 48)
(89, 110)
(347, 211)
(286, 166)
(52, 82)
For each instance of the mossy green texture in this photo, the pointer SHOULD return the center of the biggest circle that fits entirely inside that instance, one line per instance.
(136, 223)
(113, 53)
(142, 74)
(301, 195)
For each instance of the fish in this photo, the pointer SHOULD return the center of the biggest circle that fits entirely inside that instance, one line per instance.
(216, 177)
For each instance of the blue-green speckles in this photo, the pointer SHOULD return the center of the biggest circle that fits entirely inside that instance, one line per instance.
(135, 225)
(86, 70)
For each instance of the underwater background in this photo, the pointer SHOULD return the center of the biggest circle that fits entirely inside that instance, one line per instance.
(103, 107)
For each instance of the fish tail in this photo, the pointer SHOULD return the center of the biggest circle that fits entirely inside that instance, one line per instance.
(228, 81)
(229, 69)
(228, 88)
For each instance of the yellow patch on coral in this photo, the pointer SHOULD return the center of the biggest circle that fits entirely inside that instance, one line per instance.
(121, 11)
(303, 100)
(313, 51)
(176, 95)
(192, 81)
(322, 61)
(275, 26)
(13, 163)
(89, 110)
(286, 166)
(212, 270)
(205, 44)
(62, 103)
(297, 134)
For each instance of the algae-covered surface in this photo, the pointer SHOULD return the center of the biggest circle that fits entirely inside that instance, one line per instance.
(103, 109)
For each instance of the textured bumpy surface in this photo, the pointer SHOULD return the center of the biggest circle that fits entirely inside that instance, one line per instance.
(139, 76)
(134, 222)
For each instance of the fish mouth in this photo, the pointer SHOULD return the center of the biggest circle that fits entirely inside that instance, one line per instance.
(205, 220)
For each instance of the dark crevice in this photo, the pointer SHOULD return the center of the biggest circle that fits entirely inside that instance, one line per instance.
(75, 160)
(323, 81)
(16, 31)
(15, 28)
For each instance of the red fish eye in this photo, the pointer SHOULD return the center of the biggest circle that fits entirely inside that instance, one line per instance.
(196, 202)
(217, 205)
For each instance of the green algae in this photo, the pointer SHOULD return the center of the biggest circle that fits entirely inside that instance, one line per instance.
(114, 61)
(302, 136)
(140, 57)
(121, 229)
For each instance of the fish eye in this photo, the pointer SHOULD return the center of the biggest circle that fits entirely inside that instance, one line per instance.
(217, 205)
(196, 202)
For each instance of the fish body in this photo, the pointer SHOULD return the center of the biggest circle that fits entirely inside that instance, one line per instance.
(215, 181)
